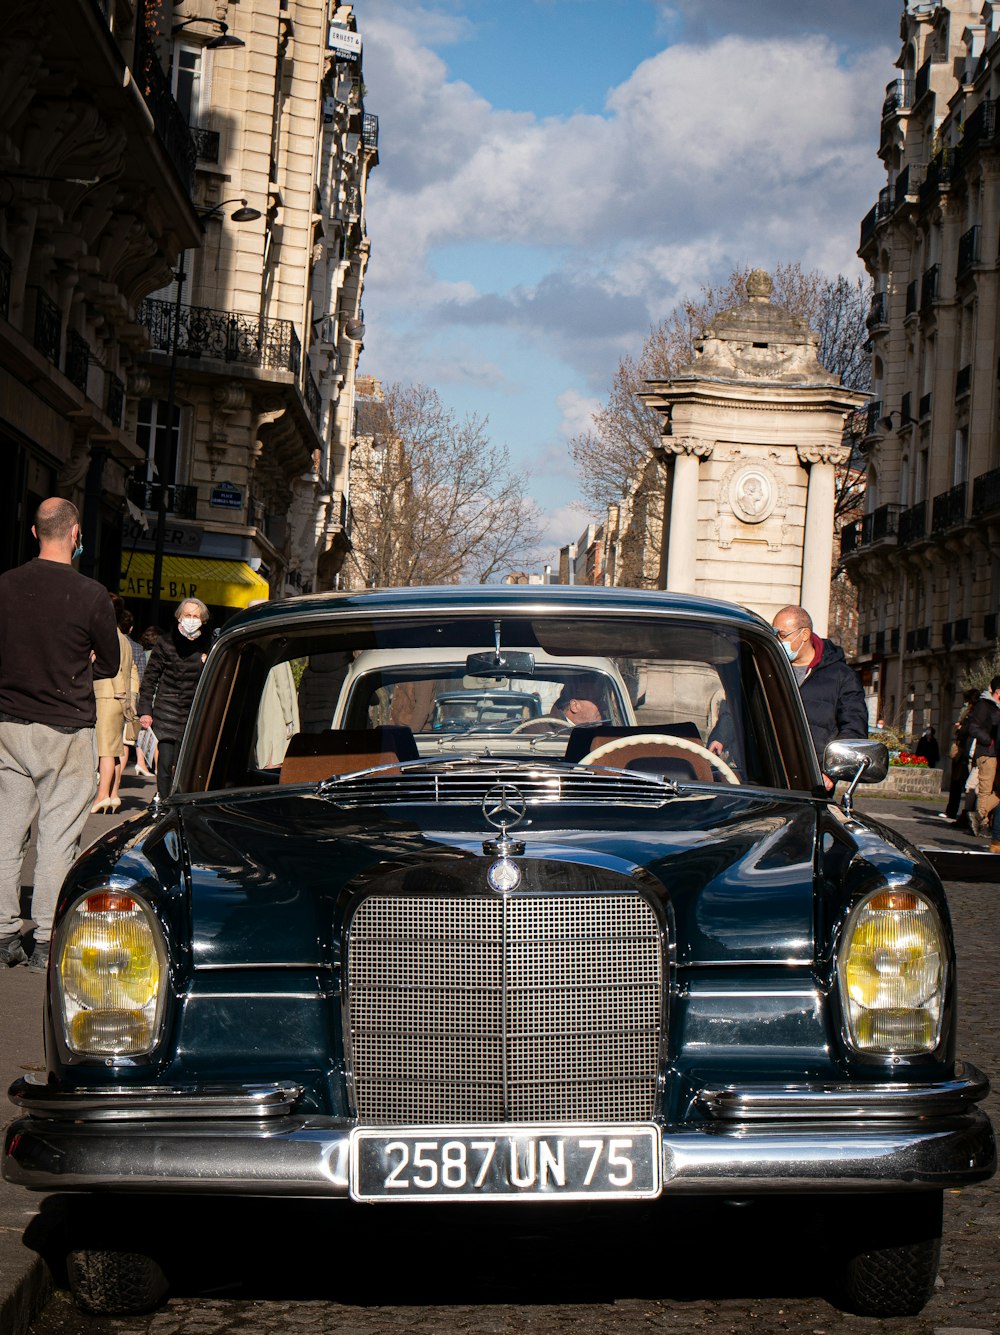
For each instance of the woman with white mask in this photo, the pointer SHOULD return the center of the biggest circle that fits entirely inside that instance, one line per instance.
(169, 683)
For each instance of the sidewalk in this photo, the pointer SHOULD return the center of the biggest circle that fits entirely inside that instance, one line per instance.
(24, 1280)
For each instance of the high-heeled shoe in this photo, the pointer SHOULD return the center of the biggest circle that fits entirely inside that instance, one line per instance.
(114, 803)
(101, 807)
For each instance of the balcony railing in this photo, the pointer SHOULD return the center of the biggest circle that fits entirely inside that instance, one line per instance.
(77, 359)
(929, 286)
(980, 127)
(48, 321)
(986, 494)
(312, 395)
(225, 336)
(878, 312)
(898, 96)
(872, 414)
(171, 127)
(875, 527)
(369, 130)
(949, 509)
(913, 524)
(181, 501)
(911, 297)
(206, 144)
(940, 171)
(850, 538)
(968, 251)
(6, 271)
(925, 405)
(868, 223)
(963, 380)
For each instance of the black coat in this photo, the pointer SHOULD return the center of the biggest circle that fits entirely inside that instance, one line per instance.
(170, 679)
(834, 698)
(982, 724)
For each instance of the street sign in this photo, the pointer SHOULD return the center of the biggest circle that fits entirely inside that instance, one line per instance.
(226, 496)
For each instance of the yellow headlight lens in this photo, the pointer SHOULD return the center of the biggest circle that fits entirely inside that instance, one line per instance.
(111, 964)
(893, 974)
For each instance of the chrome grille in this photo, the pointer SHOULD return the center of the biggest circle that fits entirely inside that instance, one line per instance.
(469, 786)
(530, 1008)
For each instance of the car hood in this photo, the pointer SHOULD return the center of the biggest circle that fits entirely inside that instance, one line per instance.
(273, 877)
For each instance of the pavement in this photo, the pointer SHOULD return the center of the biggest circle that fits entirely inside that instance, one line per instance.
(24, 1280)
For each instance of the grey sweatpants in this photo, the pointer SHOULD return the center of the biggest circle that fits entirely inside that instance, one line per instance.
(53, 775)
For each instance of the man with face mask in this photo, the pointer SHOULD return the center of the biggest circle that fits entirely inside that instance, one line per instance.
(831, 691)
(57, 636)
(169, 682)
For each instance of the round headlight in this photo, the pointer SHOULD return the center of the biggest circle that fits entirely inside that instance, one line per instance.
(892, 974)
(111, 964)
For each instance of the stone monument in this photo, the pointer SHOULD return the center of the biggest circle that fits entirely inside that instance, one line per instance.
(751, 435)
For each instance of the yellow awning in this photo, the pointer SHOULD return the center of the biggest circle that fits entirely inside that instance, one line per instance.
(222, 583)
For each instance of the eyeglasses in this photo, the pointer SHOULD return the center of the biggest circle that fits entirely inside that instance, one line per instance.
(787, 634)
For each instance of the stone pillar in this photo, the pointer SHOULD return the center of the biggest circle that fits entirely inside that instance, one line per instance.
(817, 544)
(682, 544)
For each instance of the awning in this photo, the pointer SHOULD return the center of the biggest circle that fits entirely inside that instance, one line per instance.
(222, 583)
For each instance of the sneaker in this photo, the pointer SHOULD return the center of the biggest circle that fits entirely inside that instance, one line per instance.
(943, 815)
(975, 823)
(40, 957)
(12, 951)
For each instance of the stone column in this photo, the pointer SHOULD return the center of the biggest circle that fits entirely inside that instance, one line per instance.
(682, 544)
(817, 543)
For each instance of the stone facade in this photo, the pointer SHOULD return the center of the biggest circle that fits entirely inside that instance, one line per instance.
(752, 435)
(268, 315)
(926, 555)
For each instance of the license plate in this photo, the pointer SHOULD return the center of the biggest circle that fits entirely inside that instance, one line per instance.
(470, 1163)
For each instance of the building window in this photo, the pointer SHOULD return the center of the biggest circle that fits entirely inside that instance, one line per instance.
(185, 79)
(960, 472)
(161, 447)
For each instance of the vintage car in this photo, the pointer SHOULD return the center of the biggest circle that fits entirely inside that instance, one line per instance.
(617, 962)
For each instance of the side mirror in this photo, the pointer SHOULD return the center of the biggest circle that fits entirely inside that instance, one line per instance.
(855, 762)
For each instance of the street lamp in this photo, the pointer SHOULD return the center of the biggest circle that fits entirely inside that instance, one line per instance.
(225, 38)
(240, 215)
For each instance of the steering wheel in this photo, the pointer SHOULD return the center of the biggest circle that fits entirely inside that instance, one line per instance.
(543, 725)
(661, 739)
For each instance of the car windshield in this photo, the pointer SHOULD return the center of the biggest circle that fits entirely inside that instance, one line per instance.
(690, 699)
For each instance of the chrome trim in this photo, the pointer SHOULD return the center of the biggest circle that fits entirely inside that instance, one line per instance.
(33, 1095)
(822, 1102)
(256, 996)
(308, 1156)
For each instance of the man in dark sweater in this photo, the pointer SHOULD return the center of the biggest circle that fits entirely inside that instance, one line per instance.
(831, 690)
(57, 634)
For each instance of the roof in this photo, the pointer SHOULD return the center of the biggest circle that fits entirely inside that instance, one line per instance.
(504, 599)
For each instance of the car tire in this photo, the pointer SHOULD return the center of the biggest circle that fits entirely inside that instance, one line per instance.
(890, 1269)
(107, 1283)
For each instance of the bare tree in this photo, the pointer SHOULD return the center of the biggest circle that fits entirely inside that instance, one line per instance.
(433, 500)
(611, 455)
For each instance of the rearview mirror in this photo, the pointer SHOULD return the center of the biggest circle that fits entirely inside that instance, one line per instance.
(500, 663)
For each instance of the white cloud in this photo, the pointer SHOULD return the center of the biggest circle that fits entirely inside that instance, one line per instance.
(577, 412)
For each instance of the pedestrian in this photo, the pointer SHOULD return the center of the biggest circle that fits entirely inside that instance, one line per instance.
(57, 636)
(983, 718)
(960, 759)
(170, 681)
(928, 748)
(832, 694)
(116, 713)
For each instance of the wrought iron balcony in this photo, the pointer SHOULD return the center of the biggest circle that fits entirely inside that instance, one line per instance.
(963, 380)
(48, 321)
(913, 524)
(929, 286)
(968, 251)
(312, 395)
(898, 96)
(6, 271)
(868, 224)
(171, 127)
(883, 523)
(986, 494)
(878, 312)
(850, 538)
(980, 127)
(225, 336)
(181, 501)
(206, 144)
(77, 359)
(940, 171)
(369, 131)
(872, 414)
(949, 509)
(925, 405)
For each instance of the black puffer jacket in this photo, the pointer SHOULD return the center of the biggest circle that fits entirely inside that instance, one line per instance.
(170, 679)
(833, 697)
(982, 724)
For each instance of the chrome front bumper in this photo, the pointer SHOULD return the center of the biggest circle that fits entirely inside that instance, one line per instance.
(754, 1140)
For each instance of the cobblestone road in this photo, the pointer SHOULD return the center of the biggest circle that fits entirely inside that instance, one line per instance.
(694, 1269)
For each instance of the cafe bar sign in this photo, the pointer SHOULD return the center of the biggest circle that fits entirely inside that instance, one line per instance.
(345, 44)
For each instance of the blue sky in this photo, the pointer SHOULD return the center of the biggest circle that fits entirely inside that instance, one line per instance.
(555, 175)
